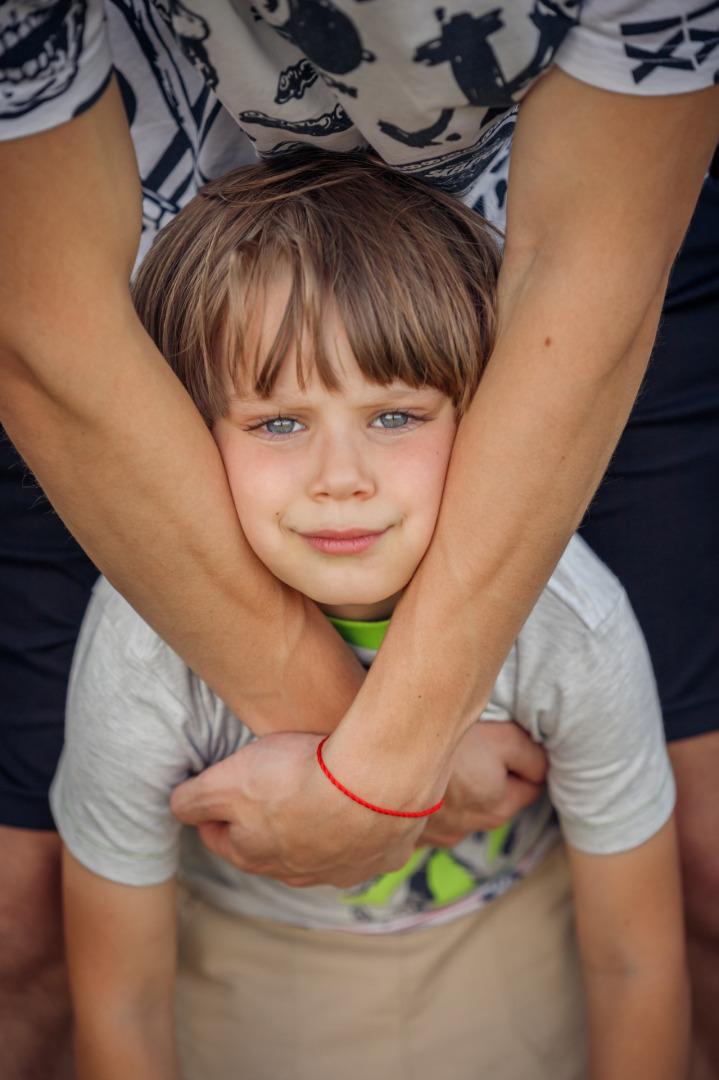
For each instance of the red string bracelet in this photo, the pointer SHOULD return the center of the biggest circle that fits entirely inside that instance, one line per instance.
(369, 805)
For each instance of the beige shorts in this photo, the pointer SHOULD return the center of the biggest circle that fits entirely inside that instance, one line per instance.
(495, 994)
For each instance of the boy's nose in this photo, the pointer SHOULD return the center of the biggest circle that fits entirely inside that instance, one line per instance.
(341, 471)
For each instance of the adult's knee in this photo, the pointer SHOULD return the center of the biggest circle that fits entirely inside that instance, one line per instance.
(31, 942)
(696, 768)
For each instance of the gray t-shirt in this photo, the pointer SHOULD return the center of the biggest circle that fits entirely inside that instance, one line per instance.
(578, 679)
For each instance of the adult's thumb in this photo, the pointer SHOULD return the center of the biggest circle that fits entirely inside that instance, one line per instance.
(202, 798)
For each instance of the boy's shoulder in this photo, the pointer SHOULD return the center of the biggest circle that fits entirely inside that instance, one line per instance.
(124, 674)
(111, 618)
(582, 617)
(119, 660)
(580, 653)
(580, 681)
(582, 589)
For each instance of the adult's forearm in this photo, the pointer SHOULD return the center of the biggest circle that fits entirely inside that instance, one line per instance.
(598, 207)
(138, 480)
(117, 444)
(527, 460)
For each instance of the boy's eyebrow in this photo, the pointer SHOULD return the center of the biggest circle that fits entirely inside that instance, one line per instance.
(376, 394)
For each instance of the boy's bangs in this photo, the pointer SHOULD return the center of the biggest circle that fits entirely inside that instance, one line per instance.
(254, 367)
(406, 319)
(409, 270)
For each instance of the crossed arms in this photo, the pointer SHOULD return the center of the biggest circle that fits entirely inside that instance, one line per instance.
(601, 191)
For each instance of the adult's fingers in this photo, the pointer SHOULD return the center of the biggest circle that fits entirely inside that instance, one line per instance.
(519, 793)
(269, 810)
(521, 755)
(211, 795)
(452, 823)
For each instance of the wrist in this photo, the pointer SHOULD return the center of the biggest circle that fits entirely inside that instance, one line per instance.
(363, 802)
(388, 764)
(300, 641)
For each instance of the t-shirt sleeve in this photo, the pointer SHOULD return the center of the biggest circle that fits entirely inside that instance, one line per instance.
(646, 47)
(591, 698)
(138, 723)
(54, 62)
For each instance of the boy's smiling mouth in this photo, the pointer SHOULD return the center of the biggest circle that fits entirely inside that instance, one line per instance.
(343, 541)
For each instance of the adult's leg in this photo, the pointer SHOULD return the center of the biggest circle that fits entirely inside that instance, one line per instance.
(45, 581)
(655, 521)
(696, 767)
(35, 1028)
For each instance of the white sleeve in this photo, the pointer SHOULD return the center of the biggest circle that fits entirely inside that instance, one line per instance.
(590, 697)
(646, 47)
(138, 723)
(54, 62)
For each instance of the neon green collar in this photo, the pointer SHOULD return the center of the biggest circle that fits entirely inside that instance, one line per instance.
(368, 635)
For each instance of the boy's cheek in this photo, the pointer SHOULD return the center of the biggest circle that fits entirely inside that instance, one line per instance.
(260, 495)
(264, 537)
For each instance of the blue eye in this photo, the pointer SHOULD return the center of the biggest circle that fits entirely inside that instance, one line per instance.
(392, 419)
(282, 425)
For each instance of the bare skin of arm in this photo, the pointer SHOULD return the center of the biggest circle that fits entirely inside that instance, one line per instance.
(122, 981)
(631, 936)
(597, 210)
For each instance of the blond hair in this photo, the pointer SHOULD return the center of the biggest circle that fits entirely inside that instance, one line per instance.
(413, 274)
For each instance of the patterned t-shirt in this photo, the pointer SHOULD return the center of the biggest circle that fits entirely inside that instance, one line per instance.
(432, 89)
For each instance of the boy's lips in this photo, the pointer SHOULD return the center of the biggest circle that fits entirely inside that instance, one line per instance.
(342, 541)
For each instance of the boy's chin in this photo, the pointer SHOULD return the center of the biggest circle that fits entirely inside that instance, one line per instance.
(364, 610)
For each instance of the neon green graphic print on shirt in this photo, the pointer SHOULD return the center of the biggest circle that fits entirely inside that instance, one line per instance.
(432, 876)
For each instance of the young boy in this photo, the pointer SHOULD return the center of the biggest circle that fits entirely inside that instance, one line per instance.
(331, 320)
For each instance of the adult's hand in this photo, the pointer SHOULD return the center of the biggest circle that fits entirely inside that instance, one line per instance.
(497, 770)
(241, 806)
(269, 809)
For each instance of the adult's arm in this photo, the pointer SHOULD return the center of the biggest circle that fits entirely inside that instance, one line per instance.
(602, 187)
(118, 445)
(601, 190)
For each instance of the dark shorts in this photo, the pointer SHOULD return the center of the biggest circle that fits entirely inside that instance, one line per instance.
(45, 582)
(655, 518)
